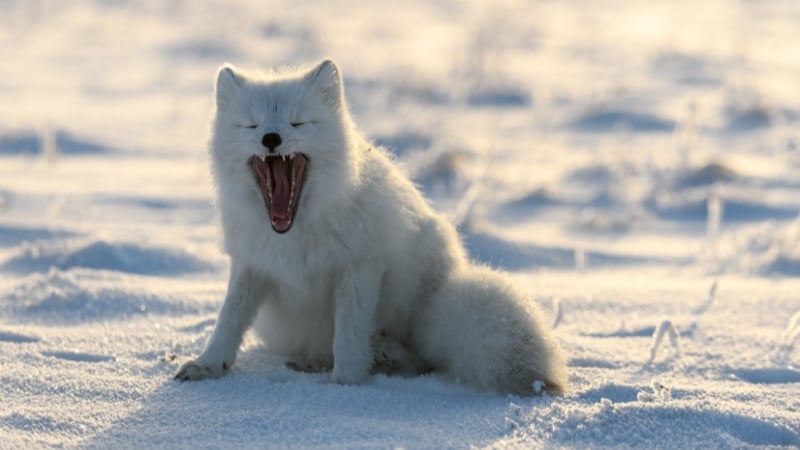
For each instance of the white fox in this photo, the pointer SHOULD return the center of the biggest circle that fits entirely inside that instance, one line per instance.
(338, 261)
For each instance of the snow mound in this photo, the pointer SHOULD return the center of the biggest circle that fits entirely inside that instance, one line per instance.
(17, 338)
(501, 253)
(606, 121)
(687, 193)
(766, 249)
(80, 357)
(688, 69)
(199, 50)
(62, 142)
(768, 375)
(42, 256)
(12, 235)
(80, 296)
(713, 172)
(750, 110)
(400, 144)
(499, 96)
(644, 425)
(536, 198)
(737, 207)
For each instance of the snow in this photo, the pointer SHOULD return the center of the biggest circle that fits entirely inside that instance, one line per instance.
(633, 166)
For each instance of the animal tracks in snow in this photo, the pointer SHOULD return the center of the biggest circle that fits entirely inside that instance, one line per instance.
(776, 375)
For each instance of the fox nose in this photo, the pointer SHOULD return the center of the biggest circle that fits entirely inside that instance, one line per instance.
(271, 140)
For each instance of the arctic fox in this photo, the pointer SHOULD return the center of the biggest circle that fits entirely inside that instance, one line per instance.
(338, 261)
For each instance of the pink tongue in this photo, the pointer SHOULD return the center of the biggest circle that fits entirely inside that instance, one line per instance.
(281, 171)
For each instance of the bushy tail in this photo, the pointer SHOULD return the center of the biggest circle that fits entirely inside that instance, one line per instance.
(484, 332)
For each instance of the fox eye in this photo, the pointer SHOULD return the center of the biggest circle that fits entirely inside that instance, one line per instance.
(252, 127)
(297, 124)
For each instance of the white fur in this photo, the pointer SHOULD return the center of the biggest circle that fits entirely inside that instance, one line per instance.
(366, 255)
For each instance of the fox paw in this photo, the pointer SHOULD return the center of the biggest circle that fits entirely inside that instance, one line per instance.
(392, 357)
(352, 374)
(309, 365)
(194, 370)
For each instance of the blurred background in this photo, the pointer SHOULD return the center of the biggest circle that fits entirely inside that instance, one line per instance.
(656, 130)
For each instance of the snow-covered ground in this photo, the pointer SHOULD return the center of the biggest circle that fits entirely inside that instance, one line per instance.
(634, 165)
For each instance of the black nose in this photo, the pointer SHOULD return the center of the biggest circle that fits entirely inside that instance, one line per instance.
(271, 140)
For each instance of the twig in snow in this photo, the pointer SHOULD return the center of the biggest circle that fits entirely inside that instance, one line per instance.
(464, 213)
(660, 392)
(580, 259)
(663, 328)
(558, 311)
(715, 208)
(712, 297)
(792, 331)
(465, 210)
(47, 142)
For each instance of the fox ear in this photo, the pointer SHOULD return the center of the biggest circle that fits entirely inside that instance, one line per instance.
(228, 84)
(326, 79)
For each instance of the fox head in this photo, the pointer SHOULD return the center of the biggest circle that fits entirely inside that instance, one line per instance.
(283, 142)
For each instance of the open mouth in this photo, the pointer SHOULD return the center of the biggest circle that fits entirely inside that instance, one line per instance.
(280, 178)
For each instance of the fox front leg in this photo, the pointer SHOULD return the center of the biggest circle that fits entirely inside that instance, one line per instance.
(356, 302)
(237, 313)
